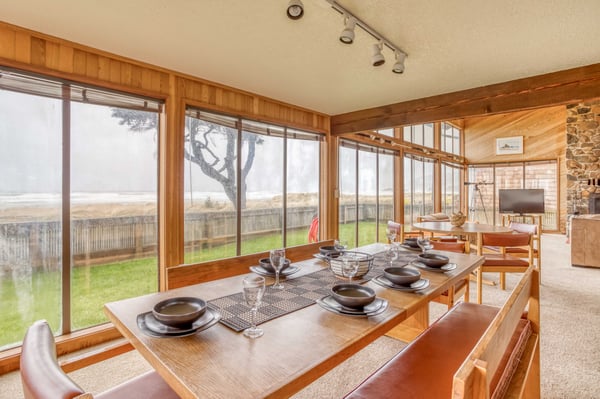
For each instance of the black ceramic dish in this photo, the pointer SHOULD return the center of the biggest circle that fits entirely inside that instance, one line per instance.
(411, 242)
(180, 311)
(401, 275)
(433, 260)
(329, 250)
(353, 295)
(265, 263)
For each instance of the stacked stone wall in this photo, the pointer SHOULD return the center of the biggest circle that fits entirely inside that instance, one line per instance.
(583, 154)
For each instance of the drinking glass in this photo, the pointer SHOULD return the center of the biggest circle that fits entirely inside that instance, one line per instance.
(277, 257)
(391, 235)
(254, 289)
(391, 254)
(424, 244)
(340, 245)
(349, 267)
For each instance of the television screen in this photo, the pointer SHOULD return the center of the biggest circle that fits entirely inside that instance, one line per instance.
(521, 201)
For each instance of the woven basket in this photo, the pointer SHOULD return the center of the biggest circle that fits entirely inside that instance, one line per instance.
(365, 263)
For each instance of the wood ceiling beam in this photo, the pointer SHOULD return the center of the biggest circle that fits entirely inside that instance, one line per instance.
(568, 86)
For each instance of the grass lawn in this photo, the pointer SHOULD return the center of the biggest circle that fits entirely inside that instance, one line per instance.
(28, 295)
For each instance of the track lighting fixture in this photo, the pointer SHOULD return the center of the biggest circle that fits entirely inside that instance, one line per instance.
(399, 65)
(347, 35)
(378, 58)
(295, 9)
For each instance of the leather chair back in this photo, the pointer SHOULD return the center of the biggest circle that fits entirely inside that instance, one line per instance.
(41, 375)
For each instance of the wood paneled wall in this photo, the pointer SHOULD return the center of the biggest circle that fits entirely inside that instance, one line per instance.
(544, 137)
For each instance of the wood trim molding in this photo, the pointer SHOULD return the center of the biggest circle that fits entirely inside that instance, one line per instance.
(571, 85)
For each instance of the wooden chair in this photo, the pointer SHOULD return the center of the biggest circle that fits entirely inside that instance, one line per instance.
(462, 287)
(536, 242)
(503, 262)
(42, 377)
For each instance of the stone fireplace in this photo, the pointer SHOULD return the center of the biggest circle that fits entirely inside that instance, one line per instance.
(583, 157)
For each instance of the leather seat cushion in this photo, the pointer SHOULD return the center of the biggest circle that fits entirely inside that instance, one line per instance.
(503, 260)
(511, 250)
(426, 367)
(146, 386)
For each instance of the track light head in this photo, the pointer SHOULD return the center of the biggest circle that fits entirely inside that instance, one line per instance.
(378, 58)
(399, 65)
(347, 35)
(295, 9)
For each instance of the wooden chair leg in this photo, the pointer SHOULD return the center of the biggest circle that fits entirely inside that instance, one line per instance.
(479, 284)
(450, 297)
(502, 281)
(467, 290)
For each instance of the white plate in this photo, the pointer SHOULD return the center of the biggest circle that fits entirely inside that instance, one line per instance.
(416, 286)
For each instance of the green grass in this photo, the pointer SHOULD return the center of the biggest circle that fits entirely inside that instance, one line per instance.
(37, 295)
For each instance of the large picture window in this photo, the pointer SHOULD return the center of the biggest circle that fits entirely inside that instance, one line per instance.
(366, 192)
(249, 186)
(486, 180)
(418, 187)
(78, 202)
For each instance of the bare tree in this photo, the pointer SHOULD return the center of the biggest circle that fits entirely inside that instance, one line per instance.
(203, 147)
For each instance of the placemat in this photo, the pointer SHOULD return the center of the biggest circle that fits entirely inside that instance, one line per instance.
(298, 293)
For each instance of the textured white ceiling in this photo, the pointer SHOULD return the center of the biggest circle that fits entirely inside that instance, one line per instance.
(252, 45)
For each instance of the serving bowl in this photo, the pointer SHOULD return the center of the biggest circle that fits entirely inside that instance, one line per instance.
(365, 261)
(433, 260)
(401, 275)
(180, 311)
(265, 263)
(352, 295)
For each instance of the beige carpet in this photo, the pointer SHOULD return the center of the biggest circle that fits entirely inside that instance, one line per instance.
(570, 351)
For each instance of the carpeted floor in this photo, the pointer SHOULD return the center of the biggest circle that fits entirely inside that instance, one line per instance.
(570, 349)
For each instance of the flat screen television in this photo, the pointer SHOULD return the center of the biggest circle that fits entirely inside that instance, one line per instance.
(521, 201)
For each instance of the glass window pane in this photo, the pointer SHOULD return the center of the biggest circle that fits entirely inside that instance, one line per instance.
(450, 189)
(428, 135)
(543, 175)
(348, 193)
(406, 133)
(113, 210)
(409, 217)
(210, 187)
(386, 193)
(367, 197)
(302, 191)
(262, 213)
(481, 194)
(387, 132)
(30, 213)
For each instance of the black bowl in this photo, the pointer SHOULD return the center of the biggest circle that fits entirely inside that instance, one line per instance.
(352, 295)
(180, 311)
(401, 275)
(411, 242)
(330, 250)
(265, 263)
(433, 260)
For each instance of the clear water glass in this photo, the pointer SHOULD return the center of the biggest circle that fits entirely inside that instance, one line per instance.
(277, 257)
(254, 289)
(349, 267)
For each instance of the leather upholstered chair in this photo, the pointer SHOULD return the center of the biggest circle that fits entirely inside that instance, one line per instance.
(42, 377)
(449, 296)
(503, 261)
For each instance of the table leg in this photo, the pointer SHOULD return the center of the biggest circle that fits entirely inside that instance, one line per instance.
(412, 326)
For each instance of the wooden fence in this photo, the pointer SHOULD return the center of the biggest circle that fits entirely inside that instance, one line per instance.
(103, 240)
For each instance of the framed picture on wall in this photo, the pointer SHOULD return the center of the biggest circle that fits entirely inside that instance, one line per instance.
(509, 145)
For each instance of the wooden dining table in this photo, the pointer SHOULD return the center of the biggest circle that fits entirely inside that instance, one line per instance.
(296, 348)
(468, 229)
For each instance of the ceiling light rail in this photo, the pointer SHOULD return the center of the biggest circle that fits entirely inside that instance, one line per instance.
(351, 20)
